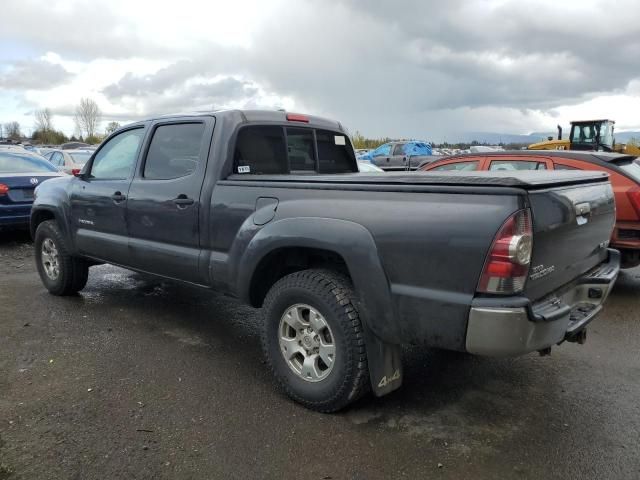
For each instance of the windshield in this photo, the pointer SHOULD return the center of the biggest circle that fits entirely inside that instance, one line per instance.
(11, 163)
(80, 158)
(606, 134)
(633, 169)
(588, 133)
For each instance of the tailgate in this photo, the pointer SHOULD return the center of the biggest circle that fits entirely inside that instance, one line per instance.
(571, 230)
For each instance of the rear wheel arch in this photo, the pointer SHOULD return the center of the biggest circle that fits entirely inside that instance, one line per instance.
(349, 246)
(345, 248)
(284, 261)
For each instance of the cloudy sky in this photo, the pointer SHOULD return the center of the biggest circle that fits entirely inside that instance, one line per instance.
(412, 68)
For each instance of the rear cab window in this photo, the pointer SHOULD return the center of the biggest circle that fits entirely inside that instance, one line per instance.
(562, 166)
(457, 167)
(269, 149)
(631, 168)
(515, 165)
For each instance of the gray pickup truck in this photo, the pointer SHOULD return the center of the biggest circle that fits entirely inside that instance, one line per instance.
(347, 267)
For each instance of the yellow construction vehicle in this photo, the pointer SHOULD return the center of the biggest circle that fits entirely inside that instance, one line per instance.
(588, 135)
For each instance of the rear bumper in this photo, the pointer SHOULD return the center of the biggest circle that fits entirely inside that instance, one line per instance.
(499, 331)
(14, 215)
(626, 235)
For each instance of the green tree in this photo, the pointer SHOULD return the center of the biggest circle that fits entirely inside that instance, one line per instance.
(111, 127)
(94, 139)
(49, 137)
(44, 132)
(12, 130)
(87, 117)
(360, 141)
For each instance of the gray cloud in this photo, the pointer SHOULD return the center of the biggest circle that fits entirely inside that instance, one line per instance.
(33, 75)
(182, 86)
(386, 68)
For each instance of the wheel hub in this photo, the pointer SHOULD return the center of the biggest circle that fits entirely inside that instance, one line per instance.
(306, 343)
(50, 259)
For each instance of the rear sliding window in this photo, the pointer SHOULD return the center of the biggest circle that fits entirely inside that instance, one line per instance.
(300, 146)
(457, 167)
(513, 165)
(632, 169)
(562, 166)
(266, 150)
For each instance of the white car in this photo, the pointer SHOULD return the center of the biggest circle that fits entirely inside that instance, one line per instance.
(69, 161)
(368, 167)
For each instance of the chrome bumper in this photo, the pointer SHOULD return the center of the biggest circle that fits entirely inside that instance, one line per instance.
(561, 316)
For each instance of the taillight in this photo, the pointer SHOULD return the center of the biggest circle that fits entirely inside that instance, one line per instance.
(75, 172)
(634, 199)
(4, 189)
(296, 117)
(507, 264)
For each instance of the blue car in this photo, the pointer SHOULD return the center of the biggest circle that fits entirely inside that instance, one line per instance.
(405, 155)
(20, 174)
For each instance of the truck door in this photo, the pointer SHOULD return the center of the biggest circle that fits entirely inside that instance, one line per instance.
(381, 156)
(398, 159)
(99, 199)
(164, 199)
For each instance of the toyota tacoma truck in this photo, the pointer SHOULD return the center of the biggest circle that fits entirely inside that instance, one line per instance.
(268, 207)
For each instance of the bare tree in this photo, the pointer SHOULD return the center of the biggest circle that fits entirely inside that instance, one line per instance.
(12, 130)
(111, 127)
(44, 120)
(87, 116)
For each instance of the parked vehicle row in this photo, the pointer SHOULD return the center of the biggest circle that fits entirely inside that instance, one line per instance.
(270, 207)
(399, 156)
(20, 174)
(623, 171)
(68, 161)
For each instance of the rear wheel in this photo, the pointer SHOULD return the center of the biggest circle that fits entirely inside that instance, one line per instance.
(60, 272)
(630, 258)
(313, 341)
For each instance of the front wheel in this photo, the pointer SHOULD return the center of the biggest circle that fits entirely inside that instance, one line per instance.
(60, 272)
(313, 341)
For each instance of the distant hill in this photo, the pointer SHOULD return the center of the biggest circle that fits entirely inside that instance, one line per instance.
(624, 137)
(492, 138)
(496, 138)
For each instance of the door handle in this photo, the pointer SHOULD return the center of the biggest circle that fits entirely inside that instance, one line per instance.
(118, 197)
(183, 201)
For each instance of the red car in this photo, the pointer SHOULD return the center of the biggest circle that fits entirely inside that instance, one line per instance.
(624, 172)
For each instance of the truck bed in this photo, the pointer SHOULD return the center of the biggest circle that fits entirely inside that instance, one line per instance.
(523, 179)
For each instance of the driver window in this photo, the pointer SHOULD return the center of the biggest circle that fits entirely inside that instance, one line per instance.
(384, 150)
(117, 158)
(399, 149)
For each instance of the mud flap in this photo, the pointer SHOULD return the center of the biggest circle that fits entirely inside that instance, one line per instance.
(385, 364)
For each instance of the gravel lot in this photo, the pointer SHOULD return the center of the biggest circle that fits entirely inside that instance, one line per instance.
(142, 378)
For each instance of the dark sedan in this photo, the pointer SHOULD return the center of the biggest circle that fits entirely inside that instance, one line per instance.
(20, 174)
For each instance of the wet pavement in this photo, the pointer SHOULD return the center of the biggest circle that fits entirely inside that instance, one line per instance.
(142, 378)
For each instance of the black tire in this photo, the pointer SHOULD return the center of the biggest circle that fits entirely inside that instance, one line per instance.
(629, 259)
(72, 272)
(331, 294)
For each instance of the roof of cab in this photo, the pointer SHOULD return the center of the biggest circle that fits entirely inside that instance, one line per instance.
(259, 116)
(609, 157)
